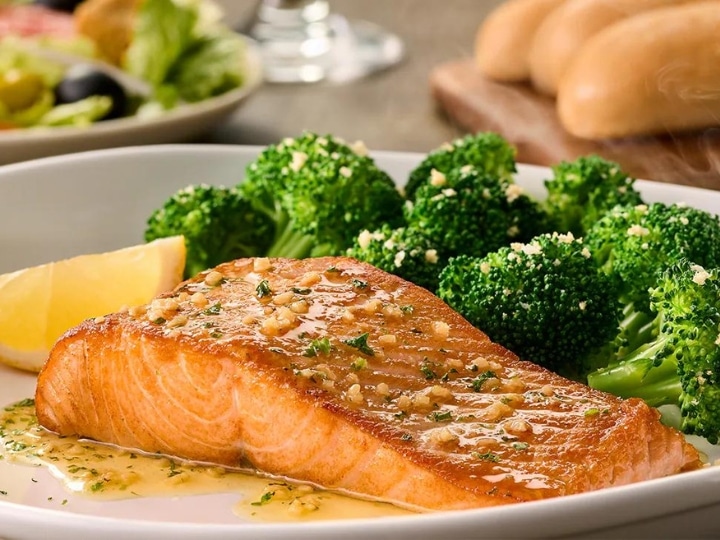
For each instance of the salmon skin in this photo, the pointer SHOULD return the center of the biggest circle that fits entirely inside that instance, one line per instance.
(333, 372)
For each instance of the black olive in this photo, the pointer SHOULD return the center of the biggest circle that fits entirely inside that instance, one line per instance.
(59, 5)
(83, 81)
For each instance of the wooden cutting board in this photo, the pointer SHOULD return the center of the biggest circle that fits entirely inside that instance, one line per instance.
(529, 121)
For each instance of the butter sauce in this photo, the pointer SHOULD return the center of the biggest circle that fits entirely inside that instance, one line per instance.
(105, 472)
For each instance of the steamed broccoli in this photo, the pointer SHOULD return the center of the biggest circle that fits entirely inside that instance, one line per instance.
(402, 251)
(545, 300)
(637, 243)
(679, 361)
(581, 191)
(467, 211)
(320, 193)
(218, 224)
(488, 152)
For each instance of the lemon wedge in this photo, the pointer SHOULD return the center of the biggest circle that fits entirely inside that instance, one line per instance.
(40, 303)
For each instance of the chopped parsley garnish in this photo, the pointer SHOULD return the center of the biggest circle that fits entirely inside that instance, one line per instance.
(487, 456)
(427, 371)
(360, 343)
(408, 309)
(477, 383)
(15, 446)
(266, 498)
(213, 310)
(446, 377)
(520, 446)
(159, 321)
(438, 416)
(298, 290)
(406, 437)
(317, 346)
(27, 402)
(359, 283)
(263, 289)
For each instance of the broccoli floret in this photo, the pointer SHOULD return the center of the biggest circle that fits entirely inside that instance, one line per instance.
(218, 224)
(545, 300)
(637, 243)
(466, 211)
(582, 191)
(402, 251)
(679, 361)
(320, 193)
(486, 151)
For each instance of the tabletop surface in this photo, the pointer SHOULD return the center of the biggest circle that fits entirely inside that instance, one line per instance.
(390, 110)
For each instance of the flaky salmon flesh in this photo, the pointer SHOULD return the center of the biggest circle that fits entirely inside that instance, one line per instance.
(333, 372)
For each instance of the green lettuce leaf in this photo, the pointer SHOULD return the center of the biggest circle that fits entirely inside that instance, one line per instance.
(81, 113)
(163, 32)
(213, 66)
(181, 48)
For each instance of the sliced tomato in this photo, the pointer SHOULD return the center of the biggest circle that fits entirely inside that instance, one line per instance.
(30, 20)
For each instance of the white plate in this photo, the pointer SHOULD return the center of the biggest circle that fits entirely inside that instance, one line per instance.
(64, 206)
(178, 125)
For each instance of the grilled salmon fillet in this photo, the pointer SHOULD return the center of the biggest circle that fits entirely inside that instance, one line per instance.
(331, 371)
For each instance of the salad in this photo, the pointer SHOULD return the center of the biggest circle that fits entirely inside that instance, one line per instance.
(70, 63)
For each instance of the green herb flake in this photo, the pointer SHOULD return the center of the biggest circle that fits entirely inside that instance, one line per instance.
(15, 446)
(360, 343)
(520, 446)
(406, 437)
(591, 412)
(487, 456)
(28, 402)
(302, 291)
(213, 310)
(159, 321)
(440, 416)
(408, 309)
(3, 492)
(477, 383)
(317, 346)
(263, 289)
(446, 377)
(359, 283)
(97, 486)
(427, 371)
(266, 498)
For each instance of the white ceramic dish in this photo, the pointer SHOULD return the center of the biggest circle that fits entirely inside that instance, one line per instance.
(182, 124)
(64, 206)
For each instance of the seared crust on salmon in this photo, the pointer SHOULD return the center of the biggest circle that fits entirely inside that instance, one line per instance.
(331, 371)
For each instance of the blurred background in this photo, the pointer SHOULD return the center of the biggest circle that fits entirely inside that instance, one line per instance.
(389, 110)
(449, 67)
